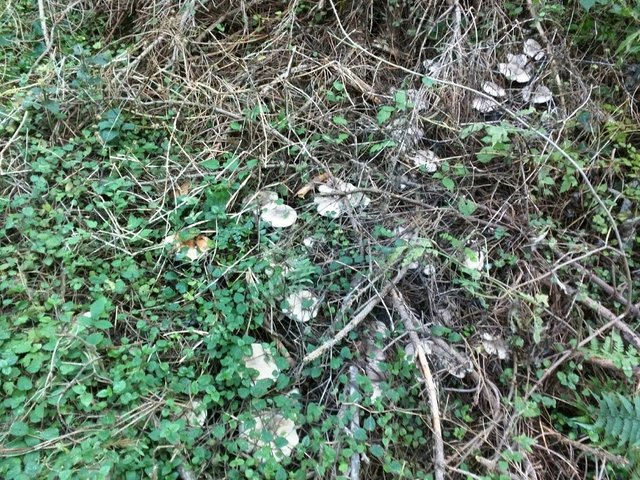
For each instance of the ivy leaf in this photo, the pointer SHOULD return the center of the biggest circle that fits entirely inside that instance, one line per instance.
(211, 164)
(448, 184)
(587, 4)
(466, 206)
(108, 135)
(19, 429)
(384, 114)
(98, 307)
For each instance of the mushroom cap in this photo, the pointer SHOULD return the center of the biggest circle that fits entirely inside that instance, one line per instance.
(426, 159)
(484, 105)
(493, 89)
(533, 49)
(518, 60)
(495, 346)
(279, 216)
(333, 206)
(328, 205)
(263, 362)
(303, 306)
(474, 259)
(514, 72)
(261, 199)
(540, 94)
(278, 426)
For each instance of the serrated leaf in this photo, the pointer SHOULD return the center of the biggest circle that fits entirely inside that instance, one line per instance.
(466, 206)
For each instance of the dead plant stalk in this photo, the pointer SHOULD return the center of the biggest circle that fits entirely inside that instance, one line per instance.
(409, 321)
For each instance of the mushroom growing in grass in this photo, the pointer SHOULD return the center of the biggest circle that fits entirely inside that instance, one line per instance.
(426, 159)
(533, 49)
(283, 433)
(537, 95)
(484, 105)
(278, 215)
(302, 306)
(263, 362)
(493, 89)
(192, 249)
(333, 198)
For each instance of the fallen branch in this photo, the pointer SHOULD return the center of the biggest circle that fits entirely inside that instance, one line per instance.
(410, 325)
(359, 317)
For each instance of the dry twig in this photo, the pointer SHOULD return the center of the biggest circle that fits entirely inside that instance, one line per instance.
(410, 323)
(358, 318)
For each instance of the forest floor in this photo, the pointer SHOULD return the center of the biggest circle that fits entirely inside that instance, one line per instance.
(333, 239)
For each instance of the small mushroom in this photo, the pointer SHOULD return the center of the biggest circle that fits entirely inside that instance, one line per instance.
(278, 427)
(426, 159)
(484, 105)
(261, 199)
(195, 247)
(493, 89)
(519, 60)
(495, 346)
(538, 95)
(533, 49)
(474, 259)
(195, 415)
(279, 216)
(263, 362)
(514, 73)
(429, 270)
(302, 306)
(331, 201)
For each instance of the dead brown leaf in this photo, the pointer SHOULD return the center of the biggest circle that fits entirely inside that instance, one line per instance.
(318, 179)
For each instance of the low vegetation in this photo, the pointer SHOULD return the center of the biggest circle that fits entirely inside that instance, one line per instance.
(334, 239)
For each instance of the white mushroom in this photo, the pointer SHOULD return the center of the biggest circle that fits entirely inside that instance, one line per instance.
(514, 73)
(533, 49)
(261, 199)
(302, 306)
(279, 216)
(474, 259)
(433, 67)
(484, 105)
(495, 346)
(426, 159)
(278, 427)
(328, 205)
(331, 201)
(195, 416)
(518, 60)
(429, 270)
(540, 94)
(493, 89)
(263, 362)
